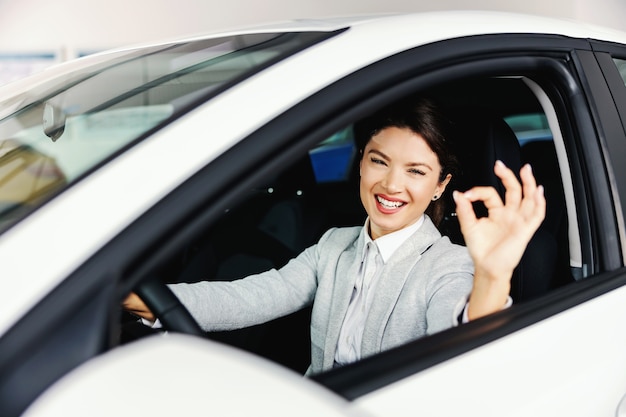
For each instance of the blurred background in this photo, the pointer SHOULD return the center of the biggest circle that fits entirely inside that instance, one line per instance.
(35, 34)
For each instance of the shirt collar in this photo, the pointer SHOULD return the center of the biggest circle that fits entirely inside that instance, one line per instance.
(389, 243)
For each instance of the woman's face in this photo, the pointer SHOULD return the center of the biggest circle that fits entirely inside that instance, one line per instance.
(399, 178)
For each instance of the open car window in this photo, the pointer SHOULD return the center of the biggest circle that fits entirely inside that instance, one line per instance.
(317, 189)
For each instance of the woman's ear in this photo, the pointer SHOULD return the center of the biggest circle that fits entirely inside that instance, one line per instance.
(442, 185)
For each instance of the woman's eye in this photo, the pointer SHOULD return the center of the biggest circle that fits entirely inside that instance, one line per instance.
(378, 161)
(416, 171)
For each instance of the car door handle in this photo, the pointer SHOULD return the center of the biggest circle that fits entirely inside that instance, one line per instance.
(621, 408)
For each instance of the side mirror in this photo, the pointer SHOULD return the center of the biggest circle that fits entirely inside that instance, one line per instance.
(53, 121)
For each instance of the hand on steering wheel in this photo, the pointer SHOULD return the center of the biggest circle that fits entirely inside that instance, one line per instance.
(154, 299)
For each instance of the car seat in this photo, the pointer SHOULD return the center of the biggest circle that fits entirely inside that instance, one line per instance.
(541, 155)
(276, 221)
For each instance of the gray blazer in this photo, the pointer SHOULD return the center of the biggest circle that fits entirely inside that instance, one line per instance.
(422, 289)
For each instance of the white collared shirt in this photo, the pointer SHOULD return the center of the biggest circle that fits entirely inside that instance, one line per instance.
(375, 255)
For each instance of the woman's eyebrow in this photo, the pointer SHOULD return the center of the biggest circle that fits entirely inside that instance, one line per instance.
(379, 153)
(420, 164)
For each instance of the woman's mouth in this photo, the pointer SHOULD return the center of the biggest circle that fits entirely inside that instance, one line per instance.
(389, 204)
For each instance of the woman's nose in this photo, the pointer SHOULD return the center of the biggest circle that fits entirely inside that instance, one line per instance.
(392, 182)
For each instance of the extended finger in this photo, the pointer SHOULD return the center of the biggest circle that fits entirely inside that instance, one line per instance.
(513, 189)
(533, 208)
(464, 211)
(540, 201)
(534, 202)
(529, 184)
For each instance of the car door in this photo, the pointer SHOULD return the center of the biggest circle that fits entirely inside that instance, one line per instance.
(612, 58)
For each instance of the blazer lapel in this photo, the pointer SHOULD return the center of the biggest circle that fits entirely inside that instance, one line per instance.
(347, 270)
(390, 284)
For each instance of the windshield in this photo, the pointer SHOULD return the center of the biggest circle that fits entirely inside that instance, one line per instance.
(58, 132)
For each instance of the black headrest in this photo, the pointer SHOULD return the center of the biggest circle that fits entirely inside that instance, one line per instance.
(479, 139)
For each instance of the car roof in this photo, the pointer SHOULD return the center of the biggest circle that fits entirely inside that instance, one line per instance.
(432, 27)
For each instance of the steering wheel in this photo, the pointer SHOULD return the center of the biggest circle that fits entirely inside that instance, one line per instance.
(168, 308)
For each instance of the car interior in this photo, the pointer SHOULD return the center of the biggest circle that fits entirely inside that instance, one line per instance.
(490, 118)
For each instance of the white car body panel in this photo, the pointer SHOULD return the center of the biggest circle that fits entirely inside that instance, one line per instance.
(504, 372)
(208, 379)
(582, 371)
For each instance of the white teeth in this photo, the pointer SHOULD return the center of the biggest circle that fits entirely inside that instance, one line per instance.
(389, 204)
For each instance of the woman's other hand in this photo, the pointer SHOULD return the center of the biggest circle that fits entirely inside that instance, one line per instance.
(135, 305)
(497, 242)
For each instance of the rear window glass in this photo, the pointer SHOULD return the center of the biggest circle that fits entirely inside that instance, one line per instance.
(621, 67)
(529, 127)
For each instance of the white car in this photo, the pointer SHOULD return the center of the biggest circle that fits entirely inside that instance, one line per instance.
(219, 156)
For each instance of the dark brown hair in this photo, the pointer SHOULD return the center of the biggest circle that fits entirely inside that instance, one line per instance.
(421, 116)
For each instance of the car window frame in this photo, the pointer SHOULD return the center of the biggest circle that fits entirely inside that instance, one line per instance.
(604, 53)
(350, 381)
(610, 145)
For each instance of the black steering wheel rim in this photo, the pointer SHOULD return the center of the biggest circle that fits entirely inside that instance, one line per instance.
(168, 308)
